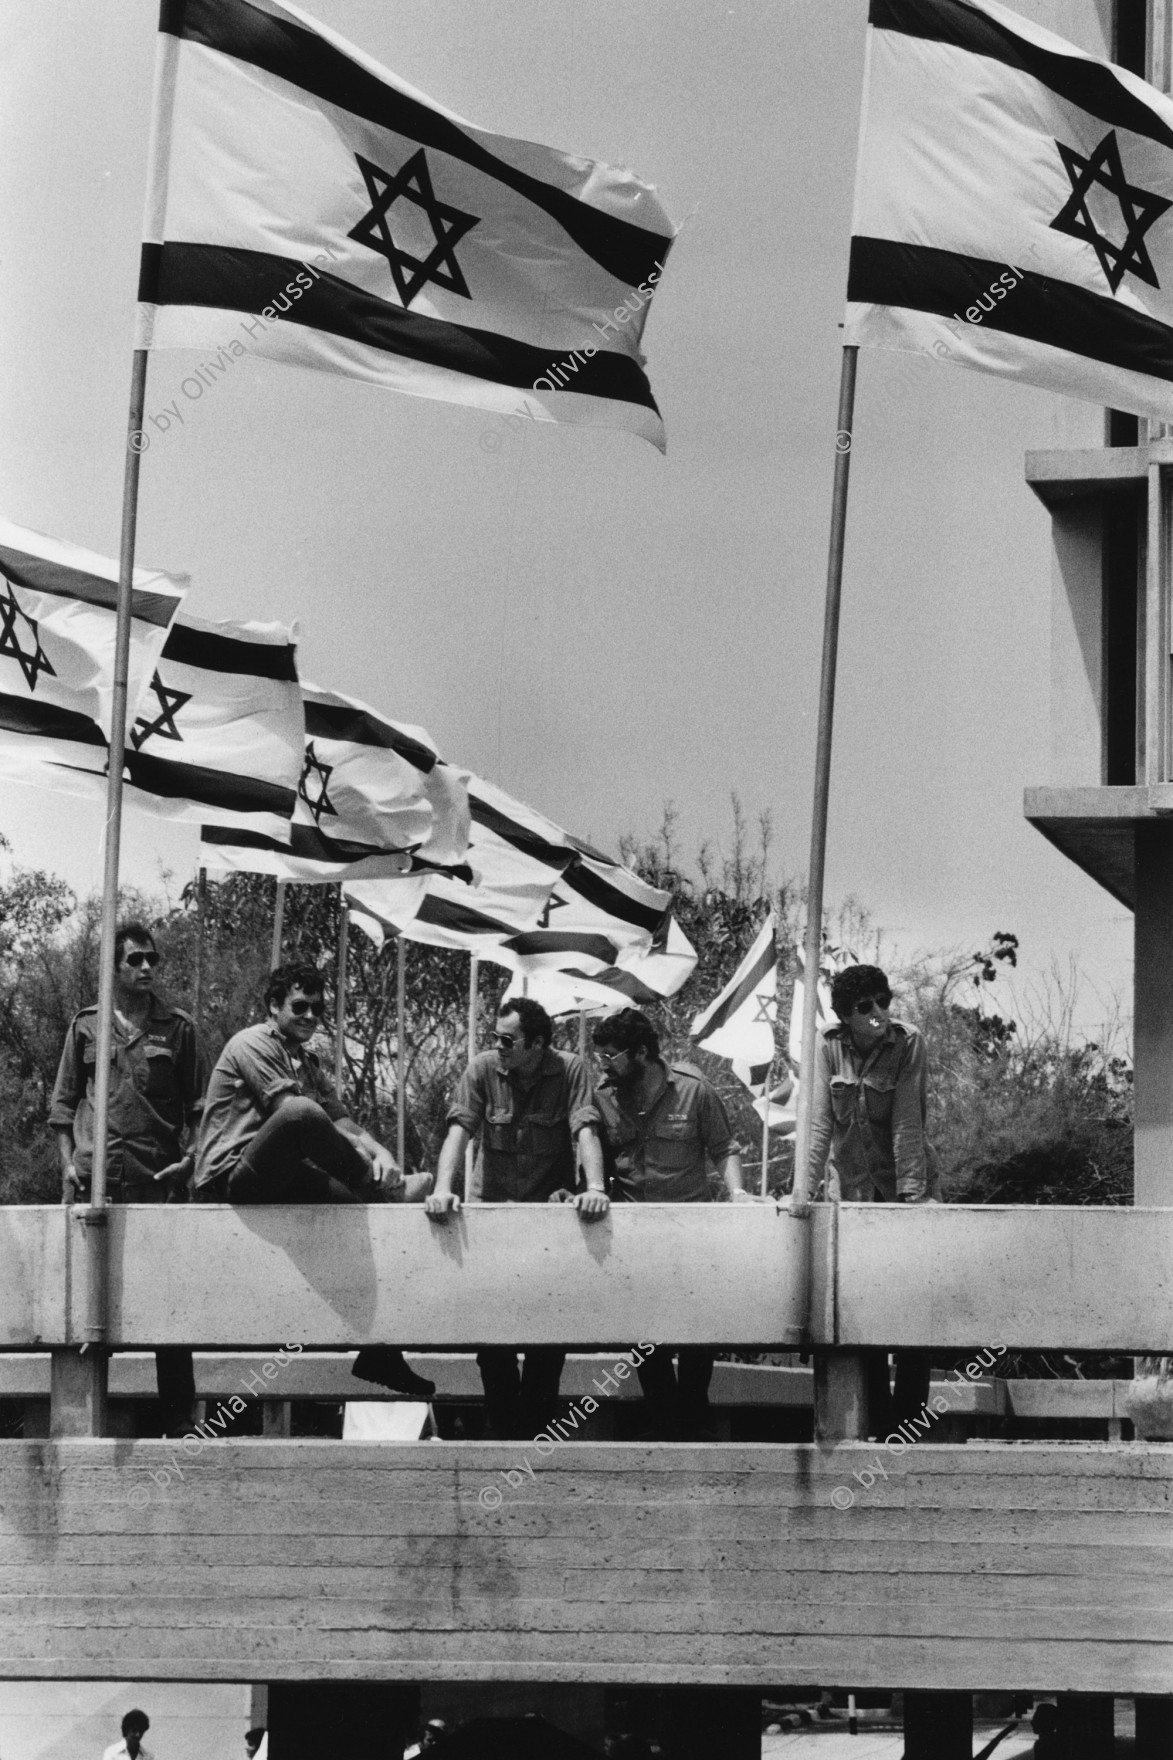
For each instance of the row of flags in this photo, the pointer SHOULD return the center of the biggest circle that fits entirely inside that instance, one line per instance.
(306, 784)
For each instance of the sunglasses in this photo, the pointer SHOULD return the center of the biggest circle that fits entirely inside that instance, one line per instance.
(506, 1040)
(868, 1004)
(301, 1006)
(607, 1053)
(140, 959)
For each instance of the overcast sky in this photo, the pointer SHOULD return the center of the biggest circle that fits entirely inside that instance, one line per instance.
(595, 627)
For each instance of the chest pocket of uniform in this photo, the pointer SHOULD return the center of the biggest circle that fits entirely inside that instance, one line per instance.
(878, 1092)
(674, 1146)
(539, 1134)
(156, 1076)
(843, 1095)
(500, 1133)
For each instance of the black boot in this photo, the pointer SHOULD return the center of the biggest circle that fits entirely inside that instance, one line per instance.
(384, 1365)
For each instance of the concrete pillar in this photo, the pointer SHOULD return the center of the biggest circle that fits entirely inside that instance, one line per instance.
(1153, 1009)
(938, 1726)
(704, 1721)
(77, 1392)
(1154, 1728)
(840, 1396)
(374, 1719)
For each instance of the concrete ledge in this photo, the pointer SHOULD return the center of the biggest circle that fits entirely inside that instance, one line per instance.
(950, 1277)
(1032, 1566)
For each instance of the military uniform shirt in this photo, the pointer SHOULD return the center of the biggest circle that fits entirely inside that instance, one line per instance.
(659, 1157)
(254, 1073)
(155, 1084)
(868, 1116)
(528, 1130)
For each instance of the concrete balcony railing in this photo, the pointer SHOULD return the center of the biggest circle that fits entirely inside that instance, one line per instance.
(941, 1276)
(1029, 1566)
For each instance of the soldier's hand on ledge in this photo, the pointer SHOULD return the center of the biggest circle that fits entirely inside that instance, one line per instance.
(592, 1204)
(440, 1205)
(70, 1185)
(741, 1196)
(562, 1196)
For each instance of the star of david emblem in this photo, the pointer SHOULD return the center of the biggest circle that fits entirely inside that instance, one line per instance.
(767, 1010)
(1139, 209)
(163, 726)
(412, 183)
(314, 785)
(552, 904)
(33, 659)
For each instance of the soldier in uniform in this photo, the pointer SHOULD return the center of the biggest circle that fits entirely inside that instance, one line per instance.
(663, 1124)
(156, 1080)
(868, 1139)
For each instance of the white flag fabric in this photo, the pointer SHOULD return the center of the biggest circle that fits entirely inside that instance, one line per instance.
(58, 612)
(514, 857)
(309, 206)
(642, 977)
(598, 914)
(739, 1023)
(374, 799)
(221, 729)
(1013, 206)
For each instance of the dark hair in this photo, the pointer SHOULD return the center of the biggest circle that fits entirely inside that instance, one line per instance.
(256, 1736)
(627, 1031)
(299, 974)
(855, 982)
(135, 1720)
(535, 1022)
(131, 932)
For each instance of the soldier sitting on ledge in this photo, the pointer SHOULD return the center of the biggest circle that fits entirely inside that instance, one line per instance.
(275, 1132)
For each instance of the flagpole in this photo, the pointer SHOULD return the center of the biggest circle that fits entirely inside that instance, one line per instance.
(474, 976)
(278, 926)
(766, 1132)
(800, 1198)
(340, 995)
(105, 1046)
(94, 1217)
(198, 986)
(401, 1052)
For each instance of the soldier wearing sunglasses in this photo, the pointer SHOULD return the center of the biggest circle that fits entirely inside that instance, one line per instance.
(155, 1085)
(868, 1138)
(274, 1131)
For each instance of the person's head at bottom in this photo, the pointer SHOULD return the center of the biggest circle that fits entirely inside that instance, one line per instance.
(862, 996)
(522, 1036)
(434, 1732)
(295, 999)
(252, 1741)
(134, 1727)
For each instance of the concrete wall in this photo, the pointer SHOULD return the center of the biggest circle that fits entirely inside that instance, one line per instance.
(1039, 1565)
